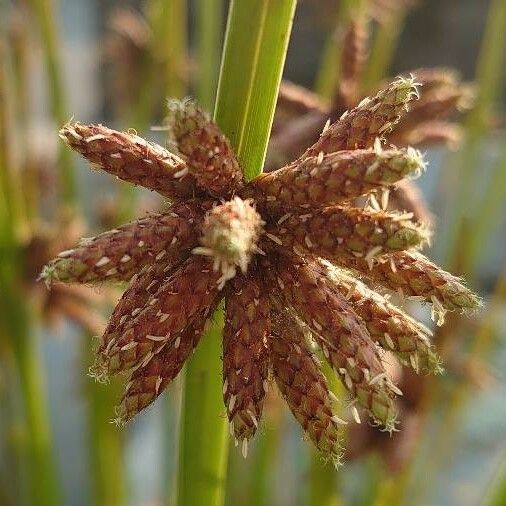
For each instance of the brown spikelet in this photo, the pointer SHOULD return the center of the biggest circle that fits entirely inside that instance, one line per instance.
(341, 335)
(211, 159)
(149, 381)
(334, 178)
(192, 288)
(245, 358)
(303, 386)
(339, 232)
(373, 117)
(393, 329)
(414, 275)
(142, 286)
(130, 158)
(118, 254)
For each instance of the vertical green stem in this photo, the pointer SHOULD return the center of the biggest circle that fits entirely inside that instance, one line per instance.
(209, 31)
(323, 477)
(322, 482)
(107, 469)
(203, 443)
(329, 70)
(495, 494)
(383, 49)
(170, 38)
(254, 52)
(44, 11)
(251, 68)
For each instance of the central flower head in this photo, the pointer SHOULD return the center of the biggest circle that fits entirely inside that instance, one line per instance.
(230, 236)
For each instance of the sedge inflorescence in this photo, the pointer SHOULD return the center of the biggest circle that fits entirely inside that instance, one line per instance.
(299, 267)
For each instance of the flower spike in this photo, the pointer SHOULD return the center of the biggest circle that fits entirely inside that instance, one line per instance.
(373, 117)
(131, 158)
(337, 177)
(304, 386)
(245, 354)
(210, 157)
(118, 254)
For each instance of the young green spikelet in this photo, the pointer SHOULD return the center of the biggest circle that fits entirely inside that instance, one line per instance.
(229, 236)
(275, 250)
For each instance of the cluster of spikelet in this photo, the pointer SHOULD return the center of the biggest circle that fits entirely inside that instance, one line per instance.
(286, 251)
(300, 113)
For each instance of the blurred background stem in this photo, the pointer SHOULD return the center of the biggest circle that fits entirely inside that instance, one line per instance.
(254, 53)
(106, 456)
(44, 11)
(489, 79)
(15, 314)
(383, 45)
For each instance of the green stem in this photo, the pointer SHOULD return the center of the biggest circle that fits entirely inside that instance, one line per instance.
(329, 70)
(14, 315)
(263, 465)
(44, 11)
(172, 39)
(489, 70)
(322, 482)
(251, 68)
(383, 49)
(495, 494)
(254, 53)
(203, 443)
(330, 66)
(10, 187)
(209, 29)
(485, 217)
(15, 322)
(107, 468)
